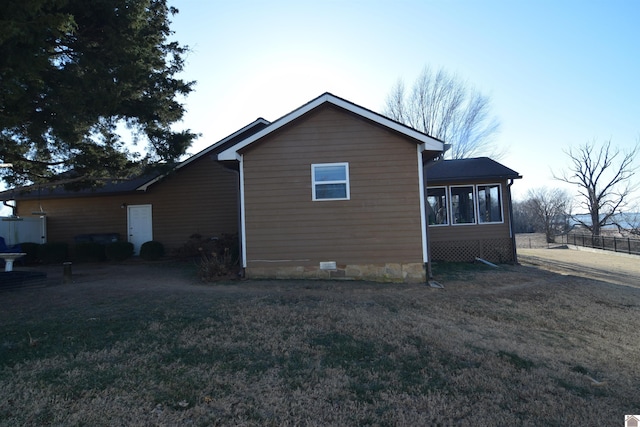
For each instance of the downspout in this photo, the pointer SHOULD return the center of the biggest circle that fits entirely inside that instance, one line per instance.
(511, 233)
(4, 202)
(239, 222)
(239, 209)
(426, 250)
(242, 229)
(13, 207)
(423, 214)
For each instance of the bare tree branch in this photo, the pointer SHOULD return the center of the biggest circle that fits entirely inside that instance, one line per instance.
(603, 175)
(444, 106)
(551, 209)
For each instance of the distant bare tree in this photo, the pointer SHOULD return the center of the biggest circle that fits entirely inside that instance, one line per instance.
(446, 107)
(630, 224)
(523, 218)
(551, 209)
(635, 225)
(603, 175)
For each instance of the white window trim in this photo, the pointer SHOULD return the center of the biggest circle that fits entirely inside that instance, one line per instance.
(447, 205)
(501, 203)
(475, 206)
(346, 181)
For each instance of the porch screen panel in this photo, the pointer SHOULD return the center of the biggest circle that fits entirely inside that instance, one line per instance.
(462, 205)
(489, 203)
(437, 205)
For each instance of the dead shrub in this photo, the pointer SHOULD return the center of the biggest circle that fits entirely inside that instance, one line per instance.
(213, 266)
(216, 257)
(197, 244)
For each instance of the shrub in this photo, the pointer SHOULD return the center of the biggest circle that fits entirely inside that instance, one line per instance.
(151, 250)
(31, 251)
(53, 253)
(228, 246)
(216, 257)
(191, 249)
(90, 252)
(213, 266)
(119, 251)
(197, 244)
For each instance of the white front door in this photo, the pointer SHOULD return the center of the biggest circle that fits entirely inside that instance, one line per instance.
(140, 225)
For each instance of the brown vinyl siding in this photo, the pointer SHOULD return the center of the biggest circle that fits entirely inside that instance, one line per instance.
(69, 217)
(200, 198)
(379, 224)
(468, 231)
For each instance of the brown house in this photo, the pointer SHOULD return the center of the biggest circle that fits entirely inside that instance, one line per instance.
(334, 190)
(198, 196)
(329, 190)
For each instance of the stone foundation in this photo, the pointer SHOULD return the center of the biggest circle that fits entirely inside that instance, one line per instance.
(391, 272)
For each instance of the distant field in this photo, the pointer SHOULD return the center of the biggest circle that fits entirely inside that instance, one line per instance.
(531, 240)
(147, 345)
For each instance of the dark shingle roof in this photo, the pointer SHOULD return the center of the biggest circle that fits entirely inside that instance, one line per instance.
(108, 187)
(468, 170)
(129, 185)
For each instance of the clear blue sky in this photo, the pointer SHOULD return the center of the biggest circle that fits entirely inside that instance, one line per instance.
(559, 73)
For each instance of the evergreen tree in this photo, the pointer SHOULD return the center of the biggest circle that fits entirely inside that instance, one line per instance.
(74, 74)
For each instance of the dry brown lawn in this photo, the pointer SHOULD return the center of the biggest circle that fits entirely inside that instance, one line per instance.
(149, 345)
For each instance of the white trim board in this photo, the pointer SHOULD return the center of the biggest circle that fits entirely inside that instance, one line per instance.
(429, 143)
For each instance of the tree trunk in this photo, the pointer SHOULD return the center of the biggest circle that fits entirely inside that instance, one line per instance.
(595, 223)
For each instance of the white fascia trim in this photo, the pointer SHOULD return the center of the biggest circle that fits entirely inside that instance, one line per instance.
(422, 185)
(243, 222)
(204, 152)
(231, 152)
(428, 142)
(146, 185)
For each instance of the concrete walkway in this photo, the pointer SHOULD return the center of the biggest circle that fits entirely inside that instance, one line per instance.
(607, 266)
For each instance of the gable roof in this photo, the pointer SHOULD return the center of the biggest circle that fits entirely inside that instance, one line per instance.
(465, 170)
(256, 126)
(140, 183)
(430, 143)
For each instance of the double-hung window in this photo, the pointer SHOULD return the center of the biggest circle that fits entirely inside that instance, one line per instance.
(330, 181)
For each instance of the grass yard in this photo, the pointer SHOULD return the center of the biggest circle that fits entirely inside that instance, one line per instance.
(513, 346)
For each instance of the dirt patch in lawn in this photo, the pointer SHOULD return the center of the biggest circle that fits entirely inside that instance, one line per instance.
(148, 344)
